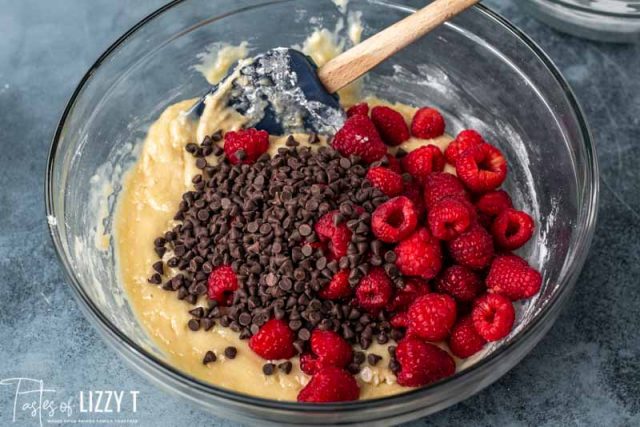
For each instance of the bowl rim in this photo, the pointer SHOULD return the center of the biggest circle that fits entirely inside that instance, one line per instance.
(119, 340)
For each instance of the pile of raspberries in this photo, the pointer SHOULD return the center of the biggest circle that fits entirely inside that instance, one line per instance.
(449, 236)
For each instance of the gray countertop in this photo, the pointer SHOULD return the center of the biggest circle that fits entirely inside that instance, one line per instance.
(586, 371)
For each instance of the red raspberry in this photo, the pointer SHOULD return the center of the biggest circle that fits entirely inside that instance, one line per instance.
(330, 384)
(473, 248)
(512, 229)
(222, 283)
(413, 288)
(459, 282)
(388, 181)
(419, 255)
(253, 142)
(274, 341)
(359, 137)
(374, 290)
(422, 363)
(494, 202)
(390, 124)
(400, 320)
(337, 237)
(465, 140)
(482, 168)
(413, 192)
(422, 161)
(427, 123)
(330, 349)
(338, 287)
(394, 164)
(493, 316)
(431, 317)
(362, 109)
(394, 220)
(439, 185)
(465, 340)
(309, 364)
(450, 217)
(512, 277)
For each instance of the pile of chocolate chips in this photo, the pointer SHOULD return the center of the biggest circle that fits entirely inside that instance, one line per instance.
(259, 218)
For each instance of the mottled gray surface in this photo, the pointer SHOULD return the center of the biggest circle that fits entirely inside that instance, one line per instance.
(585, 372)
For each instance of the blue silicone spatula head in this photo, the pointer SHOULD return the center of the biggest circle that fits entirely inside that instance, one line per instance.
(279, 91)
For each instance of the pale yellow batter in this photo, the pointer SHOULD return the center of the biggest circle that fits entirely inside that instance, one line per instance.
(152, 191)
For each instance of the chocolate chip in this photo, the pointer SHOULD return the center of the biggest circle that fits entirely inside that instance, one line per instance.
(268, 368)
(197, 312)
(304, 230)
(373, 359)
(392, 350)
(207, 323)
(155, 279)
(194, 324)
(230, 352)
(286, 367)
(353, 368)
(209, 357)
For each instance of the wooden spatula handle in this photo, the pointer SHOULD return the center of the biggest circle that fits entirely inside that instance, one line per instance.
(348, 66)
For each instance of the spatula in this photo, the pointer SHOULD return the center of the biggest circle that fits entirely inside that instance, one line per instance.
(282, 90)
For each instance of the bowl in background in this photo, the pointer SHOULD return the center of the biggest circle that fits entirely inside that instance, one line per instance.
(478, 69)
(604, 20)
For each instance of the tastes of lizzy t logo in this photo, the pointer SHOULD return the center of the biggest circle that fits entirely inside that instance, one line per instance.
(34, 403)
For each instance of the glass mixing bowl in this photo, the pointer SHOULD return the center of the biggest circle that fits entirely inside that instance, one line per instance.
(478, 69)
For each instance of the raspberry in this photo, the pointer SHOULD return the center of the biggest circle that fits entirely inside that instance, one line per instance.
(431, 317)
(359, 137)
(309, 364)
(330, 384)
(338, 287)
(465, 340)
(427, 123)
(374, 290)
(388, 181)
(222, 283)
(413, 192)
(512, 277)
(422, 363)
(482, 168)
(465, 140)
(450, 217)
(422, 161)
(473, 248)
(413, 288)
(274, 341)
(419, 255)
(337, 237)
(394, 220)
(390, 124)
(330, 349)
(439, 185)
(400, 320)
(494, 202)
(512, 228)
(362, 109)
(253, 142)
(493, 316)
(459, 282)
(394, 164)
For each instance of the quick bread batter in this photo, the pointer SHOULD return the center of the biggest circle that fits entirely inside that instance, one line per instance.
(151, 193)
